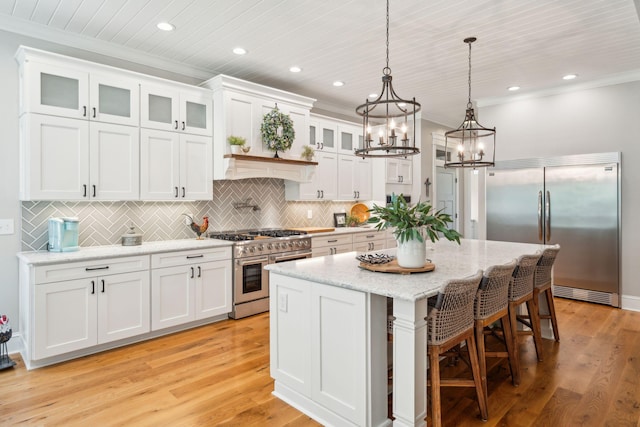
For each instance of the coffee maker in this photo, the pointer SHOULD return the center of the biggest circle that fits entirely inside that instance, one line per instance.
(63, 234)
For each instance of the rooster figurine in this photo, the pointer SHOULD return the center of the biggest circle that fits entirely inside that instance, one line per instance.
(199, 229)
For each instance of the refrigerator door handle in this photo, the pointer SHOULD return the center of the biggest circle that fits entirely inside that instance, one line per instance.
(540, 216)
(547, 217)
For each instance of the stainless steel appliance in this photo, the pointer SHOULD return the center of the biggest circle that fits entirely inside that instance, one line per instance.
(570, 200)
(252, 250)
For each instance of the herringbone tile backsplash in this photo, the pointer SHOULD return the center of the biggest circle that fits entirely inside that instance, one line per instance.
(103, 223)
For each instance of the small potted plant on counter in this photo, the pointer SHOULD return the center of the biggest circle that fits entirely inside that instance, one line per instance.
(411, 223)
(236, 143)
(307, 153)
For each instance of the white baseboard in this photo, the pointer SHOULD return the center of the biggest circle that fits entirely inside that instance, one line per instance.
(628, 302)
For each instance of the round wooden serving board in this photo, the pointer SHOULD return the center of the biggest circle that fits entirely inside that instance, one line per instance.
(393, 267)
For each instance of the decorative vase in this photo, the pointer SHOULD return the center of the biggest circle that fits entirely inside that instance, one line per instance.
(276, 155)
(411, 254)
(235, 149)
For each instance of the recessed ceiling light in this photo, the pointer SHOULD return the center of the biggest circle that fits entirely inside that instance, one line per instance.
(338, 83)
(295, 69)
(239, 51)
(165, 26)
(373, 95)
(570, 76)
(513, 88)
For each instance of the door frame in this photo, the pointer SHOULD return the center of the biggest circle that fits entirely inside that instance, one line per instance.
(438, 143)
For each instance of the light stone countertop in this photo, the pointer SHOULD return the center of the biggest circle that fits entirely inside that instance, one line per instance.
(113, 251)
(451, 261)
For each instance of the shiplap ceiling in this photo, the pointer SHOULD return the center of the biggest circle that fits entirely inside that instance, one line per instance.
(529, 43)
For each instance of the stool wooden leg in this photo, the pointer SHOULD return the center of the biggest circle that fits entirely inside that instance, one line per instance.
(513, 311)
(552, 312)
(482, 358)
(534, 316)
(514, 362)
(434, 368)
(475, 368)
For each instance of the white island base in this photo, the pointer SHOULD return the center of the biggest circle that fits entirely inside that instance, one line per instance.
(328, 332)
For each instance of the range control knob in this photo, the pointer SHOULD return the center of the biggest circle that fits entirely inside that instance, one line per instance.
(276, 245)
(261, 247)
(290, 244)
(252, 249)
(269, 246)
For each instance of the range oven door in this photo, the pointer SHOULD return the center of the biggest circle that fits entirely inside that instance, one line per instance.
(251, 280)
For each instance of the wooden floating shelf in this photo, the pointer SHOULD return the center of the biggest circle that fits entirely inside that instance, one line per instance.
(270, 159)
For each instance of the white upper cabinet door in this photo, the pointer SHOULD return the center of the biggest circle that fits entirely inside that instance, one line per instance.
(327, 175)
(362, 179)
(159, 165)
(114, 99)
(399, 171)
(327, 136)
(55, 158)
(346, 177)
(159, 107)
(115, 162)
(196, 177)
(300, 119)
(57, 91)
(196, 115)
(348, 139)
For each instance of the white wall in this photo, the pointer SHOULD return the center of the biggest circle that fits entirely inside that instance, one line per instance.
(587, 121)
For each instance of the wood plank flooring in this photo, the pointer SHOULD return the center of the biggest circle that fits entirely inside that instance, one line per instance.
(219, 375)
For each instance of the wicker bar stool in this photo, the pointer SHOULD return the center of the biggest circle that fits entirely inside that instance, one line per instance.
(492, 305)
(449, 323)
(542, 282)
(521, 292)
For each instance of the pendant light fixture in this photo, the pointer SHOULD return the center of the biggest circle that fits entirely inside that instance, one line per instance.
(472, 145)
(385, 120)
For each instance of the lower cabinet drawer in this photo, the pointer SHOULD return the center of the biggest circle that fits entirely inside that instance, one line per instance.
(86, 269)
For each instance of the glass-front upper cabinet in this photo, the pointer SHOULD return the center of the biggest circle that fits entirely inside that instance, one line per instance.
(71, 92)
(350, 138)
(323, 134)
(168, 108)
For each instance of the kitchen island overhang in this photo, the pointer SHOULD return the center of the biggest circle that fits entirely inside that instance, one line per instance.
(328, 331)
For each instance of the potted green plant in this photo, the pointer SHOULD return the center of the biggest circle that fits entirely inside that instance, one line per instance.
(307, 153)
(236, 142)
(411, 223)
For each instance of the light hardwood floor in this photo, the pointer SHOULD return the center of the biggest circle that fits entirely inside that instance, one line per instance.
(219, 375)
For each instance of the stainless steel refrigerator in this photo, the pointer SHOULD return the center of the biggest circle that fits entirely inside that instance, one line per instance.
(570, 200)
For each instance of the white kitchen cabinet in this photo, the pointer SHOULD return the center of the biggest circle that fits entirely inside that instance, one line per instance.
(324, 184)
(350, 138)
(371, 241)
(354, 178)
(399, 171)
(176, 109)
(331, 245)
(53, 86)
(78, 305)
(319, 336)
(71, 159)
(175, 166)
(189, 285)
(323, 134)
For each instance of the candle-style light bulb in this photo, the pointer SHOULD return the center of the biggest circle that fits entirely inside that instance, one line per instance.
(381, 134)
(404, 131)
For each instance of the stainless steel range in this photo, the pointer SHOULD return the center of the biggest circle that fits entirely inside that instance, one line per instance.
(252, 250)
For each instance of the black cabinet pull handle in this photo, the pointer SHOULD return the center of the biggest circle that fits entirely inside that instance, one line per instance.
(317, 145)
(94, 112)
(195, 256)
(199, 271)
(93, 287)
(322, 194)
(183, 125)
(176, 127)
(94, 191)
(84, 111)
(183, 192)
(332, 241)
(84, 190)
(103, 286)
(96, 268)
(322, 145)
(176, 191)
(192, 272)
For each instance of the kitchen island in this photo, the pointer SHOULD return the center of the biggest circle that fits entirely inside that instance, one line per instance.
(329, 331)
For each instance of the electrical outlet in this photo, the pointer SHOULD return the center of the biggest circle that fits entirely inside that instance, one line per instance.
(309, 214)
(6, 226)
(283, 302)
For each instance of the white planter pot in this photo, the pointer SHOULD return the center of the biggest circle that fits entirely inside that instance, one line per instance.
(411, 254)
(235, 149)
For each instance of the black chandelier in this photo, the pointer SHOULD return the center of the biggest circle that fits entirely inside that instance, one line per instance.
(474, 144)
(389, 115)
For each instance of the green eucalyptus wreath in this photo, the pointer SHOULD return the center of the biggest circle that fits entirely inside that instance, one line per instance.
(277, 130)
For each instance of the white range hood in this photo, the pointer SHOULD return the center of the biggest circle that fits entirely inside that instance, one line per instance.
(239, 166)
